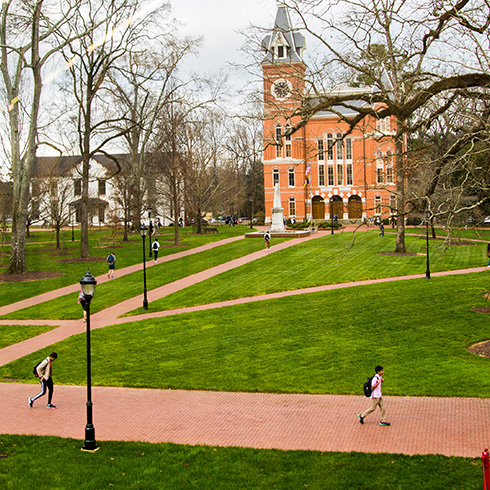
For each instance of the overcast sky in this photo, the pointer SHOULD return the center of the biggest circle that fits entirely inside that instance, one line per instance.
(219, 21)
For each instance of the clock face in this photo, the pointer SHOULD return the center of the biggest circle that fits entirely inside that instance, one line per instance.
(281, 89)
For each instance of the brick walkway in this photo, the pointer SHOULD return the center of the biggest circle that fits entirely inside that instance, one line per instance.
(449, 426)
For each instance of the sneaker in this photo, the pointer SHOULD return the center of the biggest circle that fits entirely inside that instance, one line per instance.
(31, 401)
(384, 423)
(50, 405)
(360, 418)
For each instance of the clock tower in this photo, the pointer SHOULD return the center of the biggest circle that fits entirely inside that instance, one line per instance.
(284, 86)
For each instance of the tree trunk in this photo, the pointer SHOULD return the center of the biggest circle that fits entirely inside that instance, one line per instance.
(400, 189)
(57, 236)
(176, 224)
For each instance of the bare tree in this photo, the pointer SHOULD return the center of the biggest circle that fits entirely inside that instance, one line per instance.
(168, 163)
(204, 138)
(30, 35)
(244, 147)
(57, 194)
(90, 59)
(142, 86)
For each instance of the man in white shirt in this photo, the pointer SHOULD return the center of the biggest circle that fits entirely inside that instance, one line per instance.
(376, 398)
(45, 372)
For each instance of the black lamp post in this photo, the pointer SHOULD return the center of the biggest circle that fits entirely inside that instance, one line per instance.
(427, 216)
(331, 213)
(143, 231)
(72, 226)
(150, 209)
(88, 284)
(251, 213)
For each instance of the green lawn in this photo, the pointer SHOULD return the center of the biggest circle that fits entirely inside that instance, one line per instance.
(43, 257)
(11, 334)
(324, 342)
(330, 259)
(51, 463)
(130, 285)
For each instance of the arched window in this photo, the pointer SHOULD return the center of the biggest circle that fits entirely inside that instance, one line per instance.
(288, 142)
(278, 141)
(275, 176)
(330, 146)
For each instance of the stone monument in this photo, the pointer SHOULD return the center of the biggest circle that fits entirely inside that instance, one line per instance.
(277, 225)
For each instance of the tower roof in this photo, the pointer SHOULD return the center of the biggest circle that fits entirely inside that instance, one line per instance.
(283, 35)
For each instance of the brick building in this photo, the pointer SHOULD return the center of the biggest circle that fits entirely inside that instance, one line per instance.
(321, 170)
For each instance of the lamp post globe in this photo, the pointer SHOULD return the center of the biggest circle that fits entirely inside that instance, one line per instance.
(88, 284)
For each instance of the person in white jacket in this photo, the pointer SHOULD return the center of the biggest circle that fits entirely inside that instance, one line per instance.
(45, 372)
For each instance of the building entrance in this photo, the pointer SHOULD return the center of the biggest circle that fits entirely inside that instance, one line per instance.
(355, 207)
(318, 210)
(336, 207)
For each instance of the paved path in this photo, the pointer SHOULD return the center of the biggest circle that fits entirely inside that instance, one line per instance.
(457, 427)
(448, 426)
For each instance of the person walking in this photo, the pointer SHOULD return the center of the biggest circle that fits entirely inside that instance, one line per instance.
(155, 247)
(381, 229)
(81, 301)
(45, 372)
(267, 240)
(376, 398)
(111, 260)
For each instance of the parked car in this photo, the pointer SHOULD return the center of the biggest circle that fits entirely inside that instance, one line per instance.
(487, 220)
(244, 220)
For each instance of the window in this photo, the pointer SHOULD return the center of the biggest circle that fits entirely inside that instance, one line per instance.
(389, 158)
(330, 175)
(377, 204)
(348, 171)
(340, 147)
(393, 204)
(340, 174)
(77, 187)
(291, 177)
(348, 149)
(383, 125)
(275, 176)
(379, 175)
(321, 151)
(329, 146)
(280, 51)
(389, 175)
(278, 141)
(288, 143)
(292, 206)
(321, 174)
(102, 187)
(379, 158)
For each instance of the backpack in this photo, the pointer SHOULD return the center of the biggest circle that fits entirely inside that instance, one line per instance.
(155, 246)
(111, 259)
(34, 370)
(367, 387)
